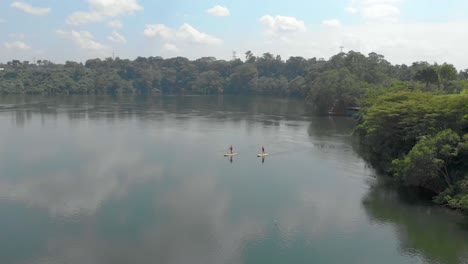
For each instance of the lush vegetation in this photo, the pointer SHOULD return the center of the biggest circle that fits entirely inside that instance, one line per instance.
(345, 76)
(421, 138)
(414, 119)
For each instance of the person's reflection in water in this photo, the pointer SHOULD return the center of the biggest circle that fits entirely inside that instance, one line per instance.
(263, 160)
(230, 159)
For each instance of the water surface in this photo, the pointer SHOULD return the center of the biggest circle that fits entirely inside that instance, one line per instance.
(144, 180)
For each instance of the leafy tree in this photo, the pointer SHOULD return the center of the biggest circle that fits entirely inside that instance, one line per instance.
(428, 163)
(337, 61)
(356, 64)
(463, 74)
(92, 64)
(269, 66)
(403, 72)
(186, 75)
(297, 87)
(330, 86)
(378, 69)
(249, 57)
(427, 75)
(209, 82)
(295, 66)
(447, 73)
(168, 80)
(421, 138)
(243, 80)
(272, 86)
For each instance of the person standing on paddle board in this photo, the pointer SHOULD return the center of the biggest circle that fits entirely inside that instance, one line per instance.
(230, 149)
(263, 150)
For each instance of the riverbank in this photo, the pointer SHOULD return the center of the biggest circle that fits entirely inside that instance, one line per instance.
(420, 140)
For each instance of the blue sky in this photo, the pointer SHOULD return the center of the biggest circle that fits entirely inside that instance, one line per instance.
(402, 30)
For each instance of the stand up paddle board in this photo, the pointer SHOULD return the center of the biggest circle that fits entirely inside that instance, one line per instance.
(230, 154)
(262, 155)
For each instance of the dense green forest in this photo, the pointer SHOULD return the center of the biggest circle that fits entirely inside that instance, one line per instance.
(413, 123)
(345, 76)
(421, 139)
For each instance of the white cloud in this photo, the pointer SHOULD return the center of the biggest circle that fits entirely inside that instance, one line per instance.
(373, 2)
(169, 48)
(78, 18)
(159, 30)
(116, 37)
(18, 45)
(333, 23)
(189, 33)
(101, 9)
(115, 24)
(39, 11)
(380, 11)
(17, 36)
(376, 9)
(282, 24)
(218, 11)
(83, 39)
(184, 33)
(351, 10)
(113, 8)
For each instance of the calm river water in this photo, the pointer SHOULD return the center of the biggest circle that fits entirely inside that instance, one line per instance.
(143, 180)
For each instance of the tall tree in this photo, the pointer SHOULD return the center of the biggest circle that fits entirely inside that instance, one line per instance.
(249, 57)
(447, 73)
(243, 79)
(427, 75)
(209, 82)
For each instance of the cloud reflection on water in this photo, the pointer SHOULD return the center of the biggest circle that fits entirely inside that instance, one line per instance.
(66, 185)
(144, 181)
(196, 228)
